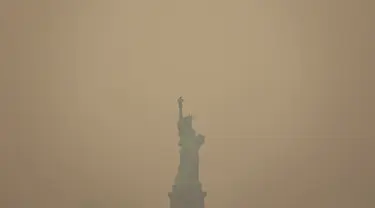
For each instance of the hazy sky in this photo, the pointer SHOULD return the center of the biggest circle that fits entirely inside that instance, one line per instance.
(282, 89)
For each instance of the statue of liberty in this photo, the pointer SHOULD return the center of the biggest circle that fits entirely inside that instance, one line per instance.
(187, 189)
(190, 143)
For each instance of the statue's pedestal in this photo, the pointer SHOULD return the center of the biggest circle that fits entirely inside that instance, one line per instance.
(187, 196)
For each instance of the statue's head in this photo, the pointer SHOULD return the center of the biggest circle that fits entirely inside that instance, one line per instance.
(188, 120)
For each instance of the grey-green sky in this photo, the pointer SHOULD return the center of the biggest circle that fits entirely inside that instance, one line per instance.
(282, 89)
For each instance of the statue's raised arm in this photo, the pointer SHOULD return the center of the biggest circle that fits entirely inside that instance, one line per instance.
(180, 100)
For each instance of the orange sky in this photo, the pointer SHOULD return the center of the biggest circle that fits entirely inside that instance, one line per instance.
(281, 89)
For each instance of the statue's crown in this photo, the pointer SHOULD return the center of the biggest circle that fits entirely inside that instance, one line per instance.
(189, 119)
